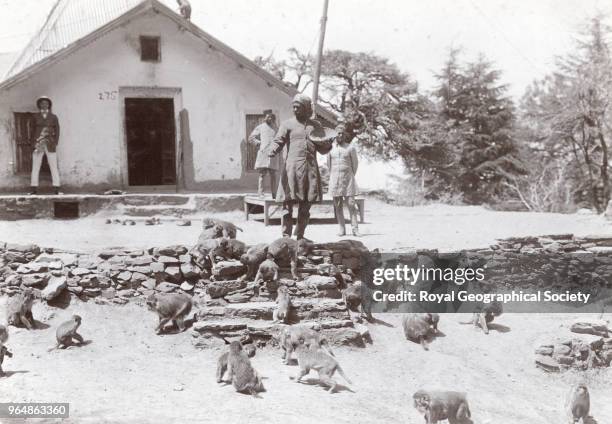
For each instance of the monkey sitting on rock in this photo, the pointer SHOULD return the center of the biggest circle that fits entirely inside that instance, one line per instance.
(3, 349)
(443, 405)
(253, 258)
(283, 302)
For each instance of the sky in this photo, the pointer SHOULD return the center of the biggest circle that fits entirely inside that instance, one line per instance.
(522, 37)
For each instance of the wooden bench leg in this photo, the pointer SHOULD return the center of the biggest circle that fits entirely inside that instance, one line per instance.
(246, 210)
(266, 216)
(361, 211)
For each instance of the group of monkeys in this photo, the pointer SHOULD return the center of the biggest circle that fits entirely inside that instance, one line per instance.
(312, 351)
(20, 315)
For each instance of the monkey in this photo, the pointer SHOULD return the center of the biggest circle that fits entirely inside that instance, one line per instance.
(283, 300)
(184, 9)
(578, 404)
(20, 309)
(329, 269)
(287, 249)
(67, 331)
(267, 271)
(213, 232)
(228, 229)
(203, 250)
(446, 405)
(253, 258)
(351, 296)
(290, 337)
(418, 327)
(170, 307)
(3, 349)
(240, 371)
(249, 349)
(228, 249)
(485, 314)
(310, 356)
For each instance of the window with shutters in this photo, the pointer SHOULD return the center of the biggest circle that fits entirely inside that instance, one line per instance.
(252, 120)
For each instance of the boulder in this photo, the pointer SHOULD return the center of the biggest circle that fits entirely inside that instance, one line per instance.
(54, 287)
(189, 271)
(228, 269)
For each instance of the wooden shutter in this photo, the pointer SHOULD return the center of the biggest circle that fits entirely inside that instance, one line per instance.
(24, 141)
(252, 120)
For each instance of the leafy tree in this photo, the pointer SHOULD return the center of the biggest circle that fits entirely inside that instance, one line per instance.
(480, 124)
(570, 114)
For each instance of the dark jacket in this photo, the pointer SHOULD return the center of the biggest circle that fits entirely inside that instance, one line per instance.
(50, 122)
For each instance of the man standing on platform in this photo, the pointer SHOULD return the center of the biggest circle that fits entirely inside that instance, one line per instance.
(263, 135)
(46, 136)
(300, 181)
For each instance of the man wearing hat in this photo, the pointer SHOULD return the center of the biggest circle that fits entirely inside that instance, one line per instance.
(263, 135)
(300, 181)
(46, 136)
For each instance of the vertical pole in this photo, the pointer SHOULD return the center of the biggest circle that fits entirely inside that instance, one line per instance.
(317, 75)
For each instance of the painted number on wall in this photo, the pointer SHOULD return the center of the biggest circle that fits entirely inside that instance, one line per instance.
(107, 95)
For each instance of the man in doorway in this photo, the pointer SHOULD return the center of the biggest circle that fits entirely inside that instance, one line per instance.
(263, 136)
(300, 181)
(46, 136)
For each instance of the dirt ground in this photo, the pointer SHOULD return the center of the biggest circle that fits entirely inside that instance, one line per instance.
(128, 374)
(387, 227)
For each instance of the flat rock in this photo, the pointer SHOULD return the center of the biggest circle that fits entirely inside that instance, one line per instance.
(217, 289)
(79, 271)
(108, 293)
(186, 286)
(168, 260)
(317, 282)
(54, 287)
(253, 310)
(590, 326)
(166, 287)
(126, 293)
(173, 274)
(238, 297)
(189, 271)
(547, 363)
(149, 283)
(31, 280)
(175, 250)
(216, 326)
(228, 269)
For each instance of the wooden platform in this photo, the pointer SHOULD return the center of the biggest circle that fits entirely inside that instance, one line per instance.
(271, 206)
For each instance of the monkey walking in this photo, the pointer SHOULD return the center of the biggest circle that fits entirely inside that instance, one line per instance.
(310, 356)
(3, 349)
(20, 309)
(291, 336)
(287, 249)
(228, 230)
(484, 315)
(241, 373)
(578, 404)
(446, 405)
(67, 332)
(170, 307)
(283, 301)
(253, 258)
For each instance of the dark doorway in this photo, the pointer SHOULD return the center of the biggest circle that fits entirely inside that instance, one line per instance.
(149, 125)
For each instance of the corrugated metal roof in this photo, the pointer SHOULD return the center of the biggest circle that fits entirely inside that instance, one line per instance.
(67, 22)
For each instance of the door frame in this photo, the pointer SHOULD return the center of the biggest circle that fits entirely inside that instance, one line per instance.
(175, 93)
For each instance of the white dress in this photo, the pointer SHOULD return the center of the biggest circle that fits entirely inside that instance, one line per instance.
(342, 163)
